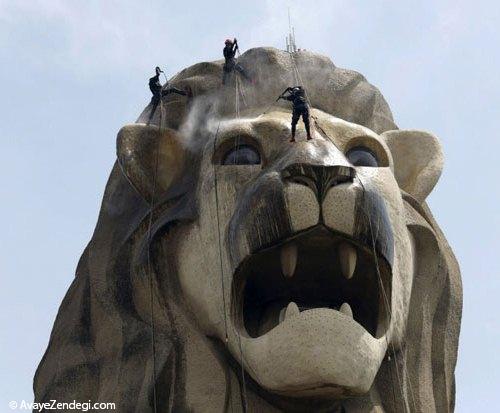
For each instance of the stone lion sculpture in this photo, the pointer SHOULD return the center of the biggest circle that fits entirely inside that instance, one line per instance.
(231, 270)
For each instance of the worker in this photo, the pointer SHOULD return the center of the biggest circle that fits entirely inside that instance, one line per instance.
(158, 90)
(229, 51)
(297, 95)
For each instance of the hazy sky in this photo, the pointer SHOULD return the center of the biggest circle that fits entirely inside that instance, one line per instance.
(73, 72)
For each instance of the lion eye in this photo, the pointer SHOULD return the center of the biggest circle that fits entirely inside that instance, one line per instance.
(241, 155)
(361, 156)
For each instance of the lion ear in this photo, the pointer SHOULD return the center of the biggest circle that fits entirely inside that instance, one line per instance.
(418, 160)
(151, 158)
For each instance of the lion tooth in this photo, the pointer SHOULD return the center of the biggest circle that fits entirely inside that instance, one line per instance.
(291, 310)
(288, 259)
(348, 258)
(346, 309)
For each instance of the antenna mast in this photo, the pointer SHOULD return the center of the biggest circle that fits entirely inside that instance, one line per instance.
(291, 47)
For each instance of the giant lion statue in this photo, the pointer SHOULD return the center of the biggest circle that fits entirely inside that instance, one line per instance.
(232, 270)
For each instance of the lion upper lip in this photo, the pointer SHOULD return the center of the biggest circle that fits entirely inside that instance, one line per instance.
(314, 269)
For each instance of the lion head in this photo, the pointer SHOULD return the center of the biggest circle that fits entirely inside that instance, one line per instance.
(231, 269)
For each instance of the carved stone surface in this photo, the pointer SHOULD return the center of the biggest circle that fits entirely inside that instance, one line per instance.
(305, 282)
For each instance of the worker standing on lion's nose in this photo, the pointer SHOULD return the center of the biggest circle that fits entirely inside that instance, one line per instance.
(297, 95)
(230, 64)
(158, 90)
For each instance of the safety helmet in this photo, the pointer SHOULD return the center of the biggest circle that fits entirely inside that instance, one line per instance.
(228, 41)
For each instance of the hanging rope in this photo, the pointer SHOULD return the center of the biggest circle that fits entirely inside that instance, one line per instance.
(389, 312)
(219, 234)
(216, 189)
(237, 144)
(238, 91)
(149, 268)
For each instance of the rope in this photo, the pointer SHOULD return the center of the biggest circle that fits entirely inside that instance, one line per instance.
(298, 79)
(219, 235)
(149, 269)
(238, 91)
(237, 143)
(226, 339)
(389, 312)
(242, 92)
(386, 302)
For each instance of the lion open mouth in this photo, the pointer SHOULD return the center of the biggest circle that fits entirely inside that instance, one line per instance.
(313, 269)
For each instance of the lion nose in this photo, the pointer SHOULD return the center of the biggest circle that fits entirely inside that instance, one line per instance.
(319, 178)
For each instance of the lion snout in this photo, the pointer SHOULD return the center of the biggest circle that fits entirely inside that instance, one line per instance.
(319, 178)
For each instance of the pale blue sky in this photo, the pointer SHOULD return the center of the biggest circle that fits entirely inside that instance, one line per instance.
(73, 72)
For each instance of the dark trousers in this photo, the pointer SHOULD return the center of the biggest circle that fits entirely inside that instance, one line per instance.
(155, 100)
(230, 67)
(296, 114)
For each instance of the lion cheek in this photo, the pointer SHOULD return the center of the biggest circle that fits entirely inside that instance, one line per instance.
(383, 180)
(403, 274)
(199, 278)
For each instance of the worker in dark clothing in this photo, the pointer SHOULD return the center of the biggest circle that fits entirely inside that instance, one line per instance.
(297, 95)
(229, 51)
(158, 90)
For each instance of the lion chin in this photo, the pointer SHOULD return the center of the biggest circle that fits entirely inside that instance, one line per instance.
(232, 270)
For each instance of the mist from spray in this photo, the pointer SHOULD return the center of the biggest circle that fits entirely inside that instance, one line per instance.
(200, 121)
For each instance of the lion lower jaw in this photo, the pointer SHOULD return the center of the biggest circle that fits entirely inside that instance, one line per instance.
(316, 352)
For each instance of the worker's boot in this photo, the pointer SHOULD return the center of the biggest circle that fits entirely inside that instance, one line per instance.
(308, 130)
